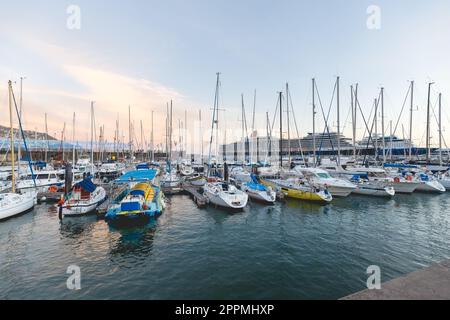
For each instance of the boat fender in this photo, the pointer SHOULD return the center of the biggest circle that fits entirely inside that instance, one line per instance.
(397, 180)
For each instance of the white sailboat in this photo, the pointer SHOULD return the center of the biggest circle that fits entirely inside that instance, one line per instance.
(12, 204)
(84, 198)
(222, 194)
(337, 187)
(225, 195)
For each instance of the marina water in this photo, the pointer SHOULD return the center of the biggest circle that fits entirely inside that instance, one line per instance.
(292, 250)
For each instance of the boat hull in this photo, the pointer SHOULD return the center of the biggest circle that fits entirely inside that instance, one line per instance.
(375, 192)
(431, 187)
(227, 201)
(261, 196)
(299, 194)
(17, 208)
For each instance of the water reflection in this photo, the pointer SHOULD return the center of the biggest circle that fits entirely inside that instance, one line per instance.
(133, 240)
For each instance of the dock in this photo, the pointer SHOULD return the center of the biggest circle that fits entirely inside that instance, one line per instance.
(432, 283)
(194, 191)
(49, 197)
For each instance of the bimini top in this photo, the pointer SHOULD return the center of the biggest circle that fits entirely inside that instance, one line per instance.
(143, 189)
(137, 175)
(87, 185)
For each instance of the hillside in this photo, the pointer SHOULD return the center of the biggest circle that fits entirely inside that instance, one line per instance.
(4, 133)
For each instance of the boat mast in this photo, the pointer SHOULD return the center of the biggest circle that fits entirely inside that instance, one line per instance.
(411, 120)
(243, 127)
(390, 140)
(288, 125)
(118, 139)
(19, 147)
(73, 139)
(314, 119)
(46, 138)
(353, 109)
(129, 132)
(338, 122)
(428, 123)
(375, 119)
(253, 134)
(382, 125)
(13, 181)
(92, 136)
(214, 122)
(440, 130)
(185, 134)
(170, 135)
(281, 129)
(153, 142)
(200, 135)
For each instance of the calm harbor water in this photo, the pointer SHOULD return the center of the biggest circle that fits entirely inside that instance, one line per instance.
(291, 250)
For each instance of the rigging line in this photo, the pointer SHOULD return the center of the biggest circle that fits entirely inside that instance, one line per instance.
(296, 127)
(23, 137)
(399, 116)
(437, 121)
(326, 119)
(362, 115)
(372, 110)
(375, 106)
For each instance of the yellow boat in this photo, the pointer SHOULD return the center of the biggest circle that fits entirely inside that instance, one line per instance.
(295, 190)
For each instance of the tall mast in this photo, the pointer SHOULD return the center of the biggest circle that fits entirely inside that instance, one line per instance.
(314, 118)
(200, 135)
(269, 139)
(129, 132)
(440, 129)
(46, 137)
(253, 135)
(243, 127)
(288, 124)
(11, 137)
(375, 119)
(142, 140)
(185, 134)
(153, 142)
(281, 129)
(390, 140)
(382, 125)
(170, 132)
(214, 121)
(73, 139)
(411, 120)
(428, 122)
(19, 149)
(118, 138)
(167, 131)
(353, 121)
(92, 136)
(338, 122)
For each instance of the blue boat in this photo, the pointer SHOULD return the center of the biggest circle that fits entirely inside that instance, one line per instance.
(136, 205)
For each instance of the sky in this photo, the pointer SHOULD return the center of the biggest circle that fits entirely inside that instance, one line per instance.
(145, 53)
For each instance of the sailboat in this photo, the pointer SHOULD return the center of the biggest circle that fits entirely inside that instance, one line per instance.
(170, 180)
(259, 192)
(222, 193)
(289, 183)
(84, 198)
(337, 187)
(13, 204)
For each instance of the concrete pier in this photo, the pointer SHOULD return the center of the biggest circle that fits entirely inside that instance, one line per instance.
(432, 283)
